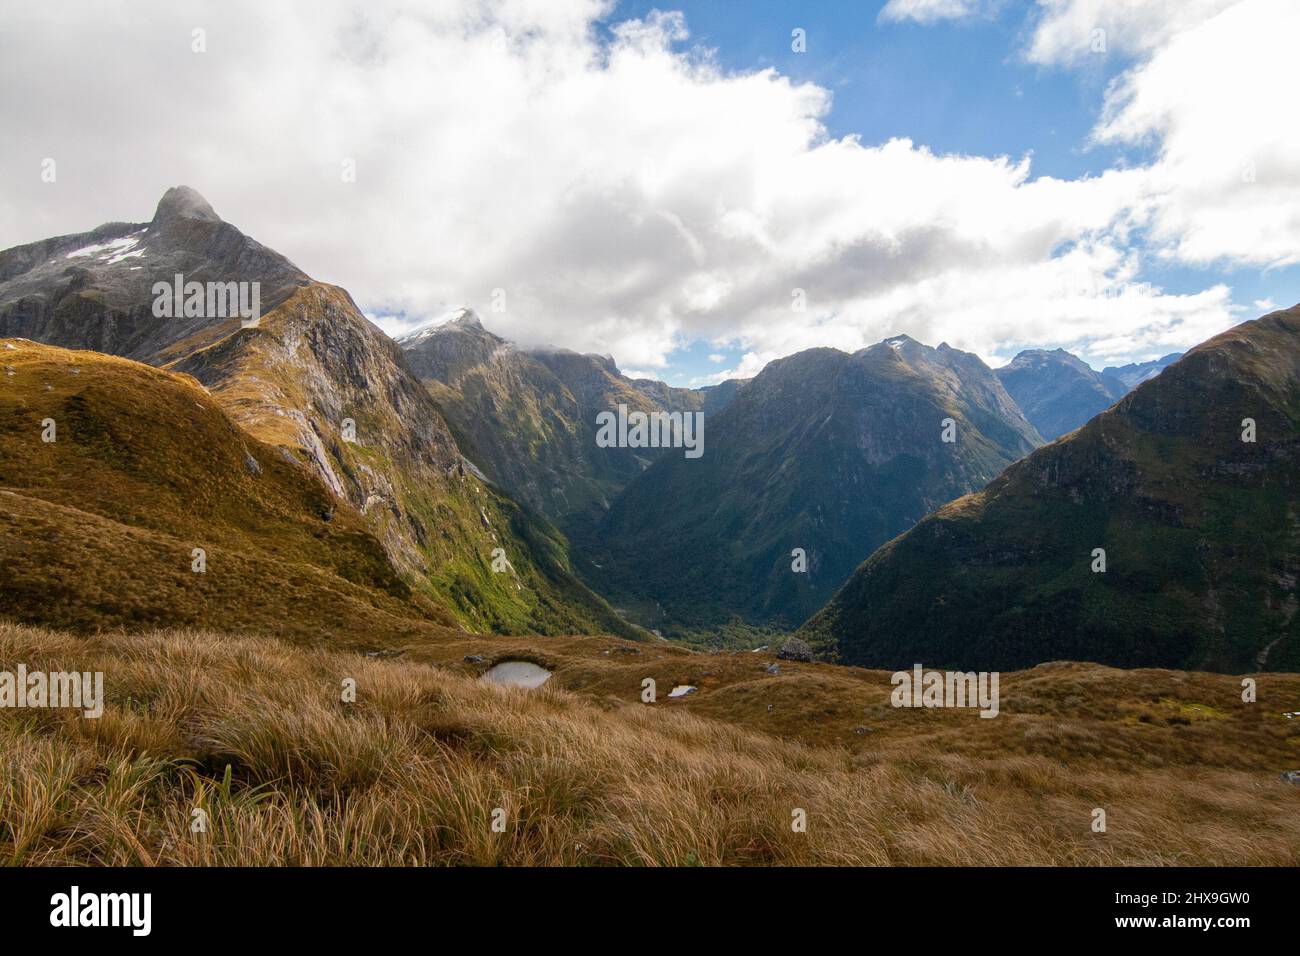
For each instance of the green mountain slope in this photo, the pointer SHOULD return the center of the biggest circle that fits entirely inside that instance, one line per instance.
(317, 379)
(98, 525)
(1201, 533)
(823, 451)
(528, 418)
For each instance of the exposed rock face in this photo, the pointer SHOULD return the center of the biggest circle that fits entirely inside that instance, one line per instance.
(94, 290)
(717, 397)
(825, 452)
(1057, 391)
(1200, 531)
(318, 379)
(795, 649)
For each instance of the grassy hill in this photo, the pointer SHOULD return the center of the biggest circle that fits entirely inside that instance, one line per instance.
(253, 732)
(99, 525)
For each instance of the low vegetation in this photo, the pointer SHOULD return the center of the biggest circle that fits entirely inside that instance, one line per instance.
(254, 733)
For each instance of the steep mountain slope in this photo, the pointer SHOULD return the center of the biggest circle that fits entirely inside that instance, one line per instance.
(823, 451)
(1200, 529)
(98, 523)
(1057, 391)
(528, 418)
(314, 377)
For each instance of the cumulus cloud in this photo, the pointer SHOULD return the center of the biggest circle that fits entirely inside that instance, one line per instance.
(613, 189)
(1217, 98)
(1067, 31)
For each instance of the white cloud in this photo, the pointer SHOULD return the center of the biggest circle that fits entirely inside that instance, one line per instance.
(1065, 32)
(751, 363)
(1211, 90)
(626, 196)
(1219, 98)
(932, 11)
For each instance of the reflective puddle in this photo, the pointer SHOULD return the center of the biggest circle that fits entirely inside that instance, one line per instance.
(517, 674)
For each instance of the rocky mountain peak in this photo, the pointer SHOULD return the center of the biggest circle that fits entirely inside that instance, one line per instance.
(466, 319)
(183, 202)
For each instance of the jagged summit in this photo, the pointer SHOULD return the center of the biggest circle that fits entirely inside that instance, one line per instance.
(462, 320)
(466, 319)
(183, 202)
(897, 342)
(1057, 390)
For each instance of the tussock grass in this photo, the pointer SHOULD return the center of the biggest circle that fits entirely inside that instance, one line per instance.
(253, 732)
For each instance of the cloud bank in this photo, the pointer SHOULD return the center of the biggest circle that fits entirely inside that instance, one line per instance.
(608, 188)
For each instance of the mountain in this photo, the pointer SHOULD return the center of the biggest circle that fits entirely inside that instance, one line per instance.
(313, 377)
(1057, 391)
(1135, 373)
(98, 524)
(1200, 529)
(528, 418)
(94, 290)
(823, 451)
(717, 397)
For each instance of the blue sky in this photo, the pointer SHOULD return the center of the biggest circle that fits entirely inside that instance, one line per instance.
(955, 87)
(633, 183)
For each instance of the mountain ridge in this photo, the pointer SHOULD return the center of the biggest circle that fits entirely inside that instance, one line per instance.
(1199, 529)
(316, 378)
(824, 451)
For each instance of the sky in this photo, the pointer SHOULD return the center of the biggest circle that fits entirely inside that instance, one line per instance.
(697, 188)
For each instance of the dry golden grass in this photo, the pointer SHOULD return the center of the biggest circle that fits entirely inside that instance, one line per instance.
(253, 732)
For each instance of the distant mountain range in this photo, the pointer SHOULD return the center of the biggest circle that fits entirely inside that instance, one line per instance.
(1189, 485)
(824, 452)
(1058, 392)
(528, 418)
(1135, 373)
